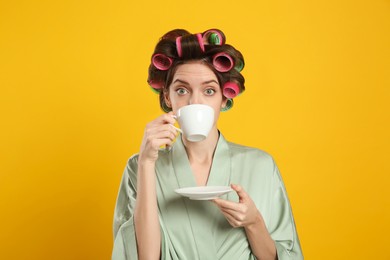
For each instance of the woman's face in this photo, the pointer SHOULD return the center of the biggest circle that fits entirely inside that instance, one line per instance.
(195, 83)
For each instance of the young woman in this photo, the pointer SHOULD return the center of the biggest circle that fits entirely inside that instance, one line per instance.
(151, 220)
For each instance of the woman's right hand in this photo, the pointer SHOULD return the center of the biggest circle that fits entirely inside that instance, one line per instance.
(157, 133)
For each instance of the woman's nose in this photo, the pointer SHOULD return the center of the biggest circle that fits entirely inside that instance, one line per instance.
(195, 99)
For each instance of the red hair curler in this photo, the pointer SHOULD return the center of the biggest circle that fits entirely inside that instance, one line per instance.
(223, 62)
(230, 89)
(161, 61)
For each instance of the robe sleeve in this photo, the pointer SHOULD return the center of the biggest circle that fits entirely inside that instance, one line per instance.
(125, 243)
(282, 226)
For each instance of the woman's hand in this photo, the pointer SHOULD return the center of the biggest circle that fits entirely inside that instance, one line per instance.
(242, 213)
(245, 214)
(157, 133)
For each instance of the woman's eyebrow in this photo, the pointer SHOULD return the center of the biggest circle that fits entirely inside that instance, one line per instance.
(203, 83)
(181, 81)
(210, 81)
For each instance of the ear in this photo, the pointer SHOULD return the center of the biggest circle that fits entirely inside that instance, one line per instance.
(224, 102)
(167, 99)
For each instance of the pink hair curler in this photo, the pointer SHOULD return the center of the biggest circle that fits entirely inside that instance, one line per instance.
(178, 46)
(213, 37)
(200, 41)
(156, 85)
(161, 61)
(223, 62)
(230, 89)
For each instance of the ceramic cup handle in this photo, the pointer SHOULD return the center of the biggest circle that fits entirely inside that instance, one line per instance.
(178, 129)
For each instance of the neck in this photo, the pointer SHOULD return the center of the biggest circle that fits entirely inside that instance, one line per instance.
(202, 152)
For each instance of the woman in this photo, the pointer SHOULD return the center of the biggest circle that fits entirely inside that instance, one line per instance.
(152, 221)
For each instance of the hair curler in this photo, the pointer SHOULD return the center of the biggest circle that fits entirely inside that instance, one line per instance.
(223, 62)
(180, 49)
(178, 46)
(230, 89)
(200, 41)
(213, 37)
(239, 65)
(161, 61)
(229, 105)
(156, 85)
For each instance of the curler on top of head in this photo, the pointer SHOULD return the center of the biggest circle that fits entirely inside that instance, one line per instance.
(200, 41)
(213, 37)
(179, 45)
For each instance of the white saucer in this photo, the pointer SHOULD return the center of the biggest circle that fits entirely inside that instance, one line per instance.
(204, 192)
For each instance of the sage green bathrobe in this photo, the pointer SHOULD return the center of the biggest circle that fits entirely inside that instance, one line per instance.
(193, 229)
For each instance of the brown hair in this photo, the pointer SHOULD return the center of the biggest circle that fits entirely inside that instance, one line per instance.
(202, 47)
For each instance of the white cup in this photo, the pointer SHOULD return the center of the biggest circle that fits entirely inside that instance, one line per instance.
(195, 121)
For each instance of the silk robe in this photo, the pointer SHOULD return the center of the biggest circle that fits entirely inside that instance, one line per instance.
(193, 229)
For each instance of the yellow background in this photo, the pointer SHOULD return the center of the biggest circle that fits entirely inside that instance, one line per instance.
(74, 102)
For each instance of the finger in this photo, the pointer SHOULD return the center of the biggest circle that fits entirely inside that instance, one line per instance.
(161, 135)
(227, 204)
(166, 118)
(169, 127)
(166, 129)
(233, 221)
(157, 143)
(162, 120)
(233, 216)
(240, 210)
(153, 131)
(240, 192)
(236, 214)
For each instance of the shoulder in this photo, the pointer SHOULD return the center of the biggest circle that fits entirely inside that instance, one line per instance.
(247, 151)
(251, 158)
(132, 162)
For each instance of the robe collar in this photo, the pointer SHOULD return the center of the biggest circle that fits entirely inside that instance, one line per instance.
(220, 171)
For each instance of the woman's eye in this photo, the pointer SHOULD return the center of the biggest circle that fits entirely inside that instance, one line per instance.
(210, 91)
(181, 91)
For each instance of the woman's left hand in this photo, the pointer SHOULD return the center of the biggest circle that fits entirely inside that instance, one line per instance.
(242, 213)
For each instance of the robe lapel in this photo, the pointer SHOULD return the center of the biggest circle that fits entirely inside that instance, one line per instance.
(203, 216)
(181, 165)
(221, 168)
